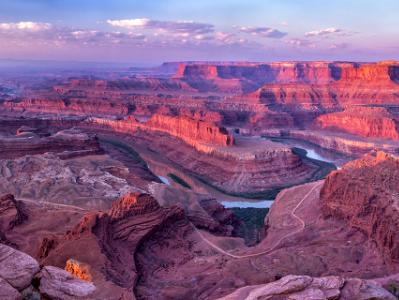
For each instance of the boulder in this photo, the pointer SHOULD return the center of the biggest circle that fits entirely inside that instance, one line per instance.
(16, 267)
(60, 284)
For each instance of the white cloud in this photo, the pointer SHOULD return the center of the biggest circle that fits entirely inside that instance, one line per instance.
(129, 23)
(181, 27)
(300, 43)
(323, 32)
(25, 26)
(263, 32)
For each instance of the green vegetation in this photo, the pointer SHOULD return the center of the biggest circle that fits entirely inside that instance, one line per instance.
(252, 223)
(179, 180)
(125, 149)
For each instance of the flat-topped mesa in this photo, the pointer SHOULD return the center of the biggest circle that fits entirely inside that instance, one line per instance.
(364, 193)
(376, 122)
(66, 143)
(371, 72)
(193, 132)
(292, 72)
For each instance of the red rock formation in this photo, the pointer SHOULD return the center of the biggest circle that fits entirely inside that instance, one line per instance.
(250, 166)
(365, 194)
(114, 238)
(191, 131)
(344, 83)
(12, 213)
(364, 121)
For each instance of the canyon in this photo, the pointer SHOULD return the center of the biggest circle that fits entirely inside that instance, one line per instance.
(114, 185)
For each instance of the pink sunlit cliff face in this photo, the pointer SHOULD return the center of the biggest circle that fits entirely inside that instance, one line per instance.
(260, 161)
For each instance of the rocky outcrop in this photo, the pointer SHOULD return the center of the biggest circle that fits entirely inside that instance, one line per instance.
(374, 122)
(47, 177)
(56, 283)
(307, 288)
(114, 238)
(12, 213)
(365, 194)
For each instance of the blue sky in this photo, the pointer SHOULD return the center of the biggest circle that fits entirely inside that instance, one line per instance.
(155, 30)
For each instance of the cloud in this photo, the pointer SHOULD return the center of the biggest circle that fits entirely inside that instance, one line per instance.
(180, 27)
(25, 26)
(324, 32)
(263, 32)
(339, 46)
(300, 43)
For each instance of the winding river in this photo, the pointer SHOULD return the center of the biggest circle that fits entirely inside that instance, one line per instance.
(312, 151)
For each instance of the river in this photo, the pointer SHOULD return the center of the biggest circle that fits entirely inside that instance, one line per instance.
(312, 151)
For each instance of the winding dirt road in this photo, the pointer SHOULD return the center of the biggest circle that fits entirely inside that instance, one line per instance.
(58, 205)
(293, 214)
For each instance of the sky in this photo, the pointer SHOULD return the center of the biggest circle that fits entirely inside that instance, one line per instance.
(154, 31)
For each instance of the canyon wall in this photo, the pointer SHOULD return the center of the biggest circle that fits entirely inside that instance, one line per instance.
(365, 195)
(364, 121)
(292, 72)
(197, 133)
(191, 131)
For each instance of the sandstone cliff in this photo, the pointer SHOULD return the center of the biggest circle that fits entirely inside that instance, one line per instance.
(191, 131)
(365, 194)
(375, 122)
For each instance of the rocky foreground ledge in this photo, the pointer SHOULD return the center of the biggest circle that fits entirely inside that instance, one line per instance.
(297, 287)
(21, 277)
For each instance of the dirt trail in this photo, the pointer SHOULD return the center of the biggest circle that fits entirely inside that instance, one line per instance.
(58, 205)
(293, 214)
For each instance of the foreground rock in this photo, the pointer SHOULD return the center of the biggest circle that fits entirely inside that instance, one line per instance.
(7, 292)
(59, 284)
(296, 287)
(17, 268)
(18, 272)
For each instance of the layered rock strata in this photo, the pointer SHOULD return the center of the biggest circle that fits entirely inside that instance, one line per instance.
(365, 195)
(67, 143)
(374, 122)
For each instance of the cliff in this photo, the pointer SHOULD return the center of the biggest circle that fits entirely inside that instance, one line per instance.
(365, 195)
(375, 122)
(191, 131)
